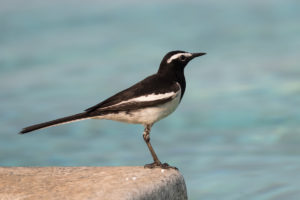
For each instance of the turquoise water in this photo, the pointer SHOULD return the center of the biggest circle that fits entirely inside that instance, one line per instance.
(235, 134)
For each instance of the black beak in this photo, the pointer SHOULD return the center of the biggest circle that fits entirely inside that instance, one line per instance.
(194, 55)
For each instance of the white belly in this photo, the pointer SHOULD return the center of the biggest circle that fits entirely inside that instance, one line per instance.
(146, 115)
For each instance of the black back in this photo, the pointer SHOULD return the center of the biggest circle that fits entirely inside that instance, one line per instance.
(162, 82)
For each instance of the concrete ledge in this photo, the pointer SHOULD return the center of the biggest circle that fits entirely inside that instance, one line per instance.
(121, 183)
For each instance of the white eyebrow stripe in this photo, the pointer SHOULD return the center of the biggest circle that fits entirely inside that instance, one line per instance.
(177, 56)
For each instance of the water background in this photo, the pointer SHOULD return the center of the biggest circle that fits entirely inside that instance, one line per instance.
(236, 134)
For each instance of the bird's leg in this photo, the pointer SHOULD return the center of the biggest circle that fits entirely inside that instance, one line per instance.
(146, 136)
(156, 163)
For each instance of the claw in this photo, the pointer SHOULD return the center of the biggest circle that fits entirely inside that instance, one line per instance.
(151, 165)
(163, 166)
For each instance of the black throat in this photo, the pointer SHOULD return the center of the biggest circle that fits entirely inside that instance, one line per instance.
(173, 74)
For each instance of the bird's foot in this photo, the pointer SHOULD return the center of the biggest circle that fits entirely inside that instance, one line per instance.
(161, 165)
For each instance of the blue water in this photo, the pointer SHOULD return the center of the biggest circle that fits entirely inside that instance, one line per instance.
(236, 134)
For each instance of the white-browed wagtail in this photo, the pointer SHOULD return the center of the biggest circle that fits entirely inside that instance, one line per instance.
(144, 103)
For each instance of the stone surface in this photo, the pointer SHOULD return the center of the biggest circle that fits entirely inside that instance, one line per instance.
(122, 183)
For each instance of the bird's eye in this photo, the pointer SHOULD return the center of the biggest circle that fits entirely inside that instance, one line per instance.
(182, 58)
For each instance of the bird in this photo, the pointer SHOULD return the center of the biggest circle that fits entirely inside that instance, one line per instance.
(145, 103)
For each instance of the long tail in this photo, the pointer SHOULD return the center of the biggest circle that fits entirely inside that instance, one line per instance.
(64, 120)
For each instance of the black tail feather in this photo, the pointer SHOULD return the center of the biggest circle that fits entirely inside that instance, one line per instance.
(63, 120)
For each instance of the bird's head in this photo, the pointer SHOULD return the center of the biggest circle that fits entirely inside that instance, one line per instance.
(177, 60)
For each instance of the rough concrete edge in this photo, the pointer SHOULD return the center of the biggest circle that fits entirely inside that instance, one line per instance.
(174, 188)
